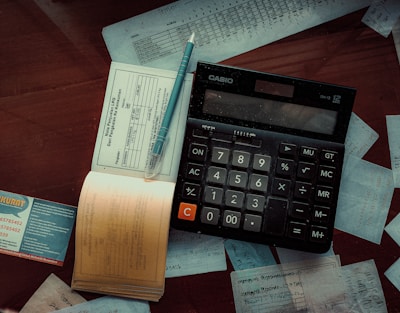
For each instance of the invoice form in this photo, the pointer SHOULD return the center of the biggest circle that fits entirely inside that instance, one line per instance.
(223, 28)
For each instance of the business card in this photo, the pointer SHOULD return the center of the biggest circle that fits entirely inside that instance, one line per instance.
(35, 229)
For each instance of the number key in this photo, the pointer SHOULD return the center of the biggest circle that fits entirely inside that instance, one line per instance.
(234, 199)
(237, 179)
(241, 159)
(213, 195)
(216, 175)
(220, 155)
(261, 163)
(209, 216)
(231, 219)
(258, 182)
(255, 203)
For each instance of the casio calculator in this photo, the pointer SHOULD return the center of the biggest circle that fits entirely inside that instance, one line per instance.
(262, 158)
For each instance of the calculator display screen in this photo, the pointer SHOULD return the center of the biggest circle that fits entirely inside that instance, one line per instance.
(272, 88)
(271, 112)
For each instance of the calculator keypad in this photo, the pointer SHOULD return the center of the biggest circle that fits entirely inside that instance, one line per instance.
(281, 191)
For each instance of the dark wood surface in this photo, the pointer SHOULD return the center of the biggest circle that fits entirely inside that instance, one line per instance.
(54, 66)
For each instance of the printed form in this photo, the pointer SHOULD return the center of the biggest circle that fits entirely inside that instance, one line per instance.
(223, 28)
(134, 105)
(292, 287)
(350, 288)
(275, 288)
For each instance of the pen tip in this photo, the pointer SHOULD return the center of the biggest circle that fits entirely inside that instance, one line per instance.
(191, 39)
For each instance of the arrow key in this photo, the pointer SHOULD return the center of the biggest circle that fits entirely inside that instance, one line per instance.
(287, 148)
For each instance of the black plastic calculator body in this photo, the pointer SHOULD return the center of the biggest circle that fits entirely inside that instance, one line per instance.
(262, 158)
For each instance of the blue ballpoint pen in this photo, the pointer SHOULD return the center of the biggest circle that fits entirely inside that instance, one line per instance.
(154, 164)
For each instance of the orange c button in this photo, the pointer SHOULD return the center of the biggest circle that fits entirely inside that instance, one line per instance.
(187, 211)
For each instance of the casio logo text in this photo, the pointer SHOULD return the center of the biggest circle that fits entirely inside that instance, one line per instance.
(221, 79)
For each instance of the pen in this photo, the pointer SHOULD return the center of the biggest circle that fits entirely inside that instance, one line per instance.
(154, 164)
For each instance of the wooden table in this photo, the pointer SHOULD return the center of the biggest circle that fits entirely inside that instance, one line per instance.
(54, 66)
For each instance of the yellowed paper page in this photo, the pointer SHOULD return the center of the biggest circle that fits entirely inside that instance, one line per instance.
(122, 235)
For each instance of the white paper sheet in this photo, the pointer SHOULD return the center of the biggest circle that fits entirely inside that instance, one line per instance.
(324, 291)
(245, 255)
(191, 253)
(109, 305)
(363, 287)
(53, 294)
(393, 229)
(360, 137)
(382, 15)
(135, 101)
(393, 129)
(393, 274)
(365, 195)
(290, 256)
(396, 37)
(223, 28)
(274, 288)
(351, 288)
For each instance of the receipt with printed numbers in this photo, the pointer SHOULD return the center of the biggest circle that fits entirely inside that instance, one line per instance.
(192, 253)
(275, 288)
(350, 288)
(365, 195)
(245, 255)
(393, 129)
(223, 28)
(382, 16)
(360, 137)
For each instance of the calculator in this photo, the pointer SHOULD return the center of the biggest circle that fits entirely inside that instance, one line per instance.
(262, 158)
